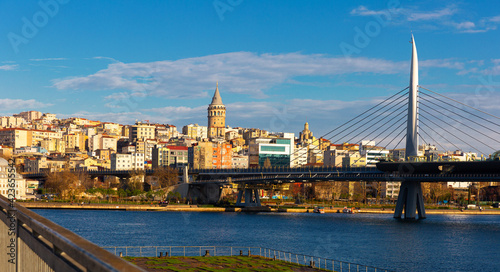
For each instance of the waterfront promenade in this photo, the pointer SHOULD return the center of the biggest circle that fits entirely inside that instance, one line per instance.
(195, 208)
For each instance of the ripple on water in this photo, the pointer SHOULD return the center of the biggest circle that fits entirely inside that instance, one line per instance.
(438, 243)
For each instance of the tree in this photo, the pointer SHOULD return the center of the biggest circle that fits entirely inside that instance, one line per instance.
(336, 189)
(65, 184)
(85, 180)
(267, 163)
(166, 176)
(377, 187)
(436, 192)
(134, 183)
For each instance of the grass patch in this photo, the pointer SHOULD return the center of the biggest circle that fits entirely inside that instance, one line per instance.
(223, 263)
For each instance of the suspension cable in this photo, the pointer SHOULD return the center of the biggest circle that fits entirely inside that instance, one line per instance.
(461, 123)
(460, 102)
(445, 138)
(444, 149)
(404, 116)
(456, 129)
(384, 140)
(380, 121)
(297, 150)
(461, 109)
(479, 124)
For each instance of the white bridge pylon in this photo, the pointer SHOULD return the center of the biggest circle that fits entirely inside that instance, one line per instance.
(410, 197)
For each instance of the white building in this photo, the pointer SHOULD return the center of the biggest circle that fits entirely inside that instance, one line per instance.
(141, 131)
(195, 131)
(20, 182)
(391, 189)
(372, 153)
(299, 157)
(239, 161)
(276, 150)
(334, 157)
(458, 185)
(100, 141)
(133, 161)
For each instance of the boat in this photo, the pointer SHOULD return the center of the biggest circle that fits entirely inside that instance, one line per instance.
(348, 210)
(318, 209)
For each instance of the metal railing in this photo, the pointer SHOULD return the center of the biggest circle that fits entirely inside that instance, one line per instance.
(42, 243)
(198, 251)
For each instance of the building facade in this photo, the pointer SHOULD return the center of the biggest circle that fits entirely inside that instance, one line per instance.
(277, 151)
(133, 161)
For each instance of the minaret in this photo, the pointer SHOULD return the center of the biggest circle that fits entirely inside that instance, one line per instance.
(216, 116)
(411, 130)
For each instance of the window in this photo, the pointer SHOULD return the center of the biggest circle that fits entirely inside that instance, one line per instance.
(273, 148)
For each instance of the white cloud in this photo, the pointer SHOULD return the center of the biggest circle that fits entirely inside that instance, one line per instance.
(105, 58)
(442, 63)
(494, 70)
(466, 25)
(432, 15)
(180, 113)
(48, 59)
(238, 72)
(7, 104)
(481, 30)
(433, 19)
(121, 117)
(407, 14)
(9, 67)
(495, 19)
(364, 11)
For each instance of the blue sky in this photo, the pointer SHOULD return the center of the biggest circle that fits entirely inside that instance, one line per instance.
(278, 63)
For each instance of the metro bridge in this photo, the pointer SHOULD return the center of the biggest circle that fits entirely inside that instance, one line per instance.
(208, 183)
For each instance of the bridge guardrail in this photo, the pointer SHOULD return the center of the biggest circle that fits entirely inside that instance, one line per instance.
(198, 251)
(42, 243)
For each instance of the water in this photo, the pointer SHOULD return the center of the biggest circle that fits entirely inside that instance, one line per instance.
(438, 243)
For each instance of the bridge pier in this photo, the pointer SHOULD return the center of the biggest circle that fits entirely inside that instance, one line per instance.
(410, 199)
(252, 198)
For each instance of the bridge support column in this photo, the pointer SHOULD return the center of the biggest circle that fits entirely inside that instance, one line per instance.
(410, 199)
(252, 198)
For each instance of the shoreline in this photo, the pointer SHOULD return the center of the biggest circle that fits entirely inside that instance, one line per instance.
(195, 208)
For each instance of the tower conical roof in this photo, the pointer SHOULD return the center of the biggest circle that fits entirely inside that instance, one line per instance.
(217, 100)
